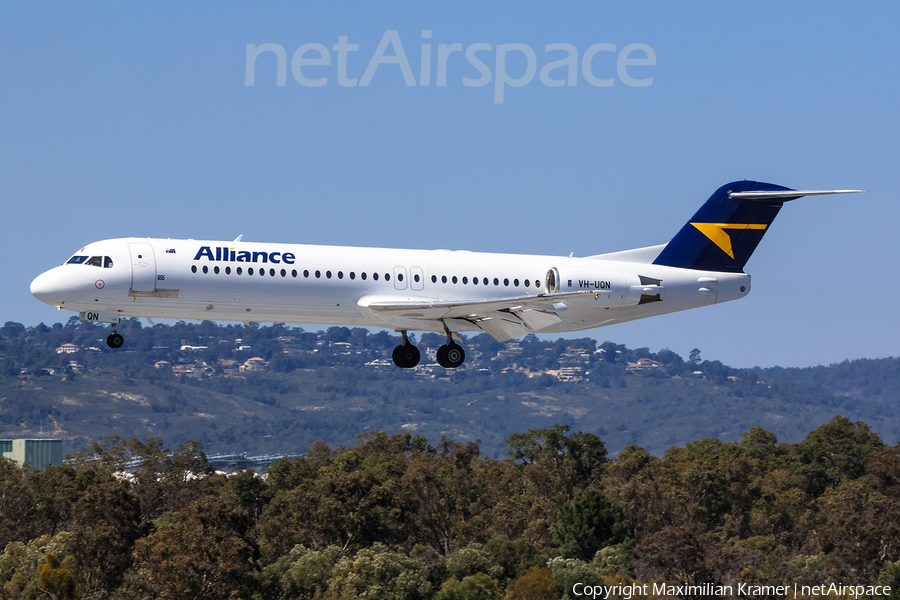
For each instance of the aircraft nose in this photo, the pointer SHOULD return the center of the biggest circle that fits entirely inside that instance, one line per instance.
(44, 288)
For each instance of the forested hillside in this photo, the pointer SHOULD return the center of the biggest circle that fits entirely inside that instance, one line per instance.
(277, 389)
(397, 518)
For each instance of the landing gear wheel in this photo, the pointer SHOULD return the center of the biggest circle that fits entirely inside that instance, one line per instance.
(115, 340)
(451, 356)
(406, 356)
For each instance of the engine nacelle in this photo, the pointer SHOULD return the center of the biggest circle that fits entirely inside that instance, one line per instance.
(610, 288)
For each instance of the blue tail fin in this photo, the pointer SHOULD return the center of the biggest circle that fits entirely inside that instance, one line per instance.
(726, 230)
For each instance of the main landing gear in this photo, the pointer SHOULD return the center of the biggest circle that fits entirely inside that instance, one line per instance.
(406, 356)
(115, 340)
(451, 355)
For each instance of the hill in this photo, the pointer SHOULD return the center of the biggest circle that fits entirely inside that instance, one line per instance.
(197, 381)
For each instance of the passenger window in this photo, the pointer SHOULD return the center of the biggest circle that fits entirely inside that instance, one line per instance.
(506, 282)
(416, 277)
(328, 274)
(516, 282)
(465, 280)
(283, 273)
(375, 276)
(306, 272)
(352, 275)
(250, 271)
(474, 281)
(239, 270)
(205, 269)
(363, 275)
(318, 274)
(95, 261)
(496, 281)
(537, 283)
(272, 272)
(107, 262)
(484, 281)
(527, 283)
(454, 279)
(434, 279)
(193, 268)
(216, 270)
(293, 272)
(399, 276)
(77, 260)
(443, 279)
(340, 274)
(228, 270)
(387, 276)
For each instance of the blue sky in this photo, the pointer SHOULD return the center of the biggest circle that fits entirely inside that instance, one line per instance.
(126, 119)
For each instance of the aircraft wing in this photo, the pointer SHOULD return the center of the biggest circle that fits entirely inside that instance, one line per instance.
(503, 318)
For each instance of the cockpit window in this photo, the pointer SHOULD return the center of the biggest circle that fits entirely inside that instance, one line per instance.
(95, 261)
(77, 260)
(107, 262)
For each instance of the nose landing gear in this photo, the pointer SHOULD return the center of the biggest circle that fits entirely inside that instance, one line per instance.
(406, 356)
(115, 340)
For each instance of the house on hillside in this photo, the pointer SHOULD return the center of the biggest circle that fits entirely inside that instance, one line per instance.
(643, 364)
(67, 349)
(571, 374)
(254, 364)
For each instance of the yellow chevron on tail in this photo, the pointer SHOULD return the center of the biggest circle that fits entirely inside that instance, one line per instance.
(716, 233)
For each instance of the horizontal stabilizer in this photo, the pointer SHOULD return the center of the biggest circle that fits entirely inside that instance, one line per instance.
(788, 194)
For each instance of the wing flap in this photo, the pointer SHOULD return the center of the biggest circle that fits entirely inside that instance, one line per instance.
(501, 318)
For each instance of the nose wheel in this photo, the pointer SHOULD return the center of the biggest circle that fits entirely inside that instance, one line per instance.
(115, 340)
(406, 356)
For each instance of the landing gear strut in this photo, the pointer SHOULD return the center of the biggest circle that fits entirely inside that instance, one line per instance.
(406, 356)
(451, 355)
(115, 340)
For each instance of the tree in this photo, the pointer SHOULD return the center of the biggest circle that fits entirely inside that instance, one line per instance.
(569, 571)
(307, 572)
(473, 587)
(536, 584)
(587, 524)
(694, 357)
(377, 573)
(836, 452)
(471, 560)
(858, 528)
(56, 579)
(573, 461)
(106, 522)
(677, 553)
(16, 493)
(201, 554)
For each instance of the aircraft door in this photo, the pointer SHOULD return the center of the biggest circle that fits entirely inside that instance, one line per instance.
(400, 282)
(417, 278)
(143, 268)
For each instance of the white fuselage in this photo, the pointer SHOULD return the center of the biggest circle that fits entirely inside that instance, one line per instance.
(290, 283)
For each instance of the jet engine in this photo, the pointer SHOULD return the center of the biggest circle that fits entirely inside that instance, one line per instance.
(610, 288)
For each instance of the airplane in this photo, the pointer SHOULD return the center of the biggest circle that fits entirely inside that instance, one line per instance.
(449, 292)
